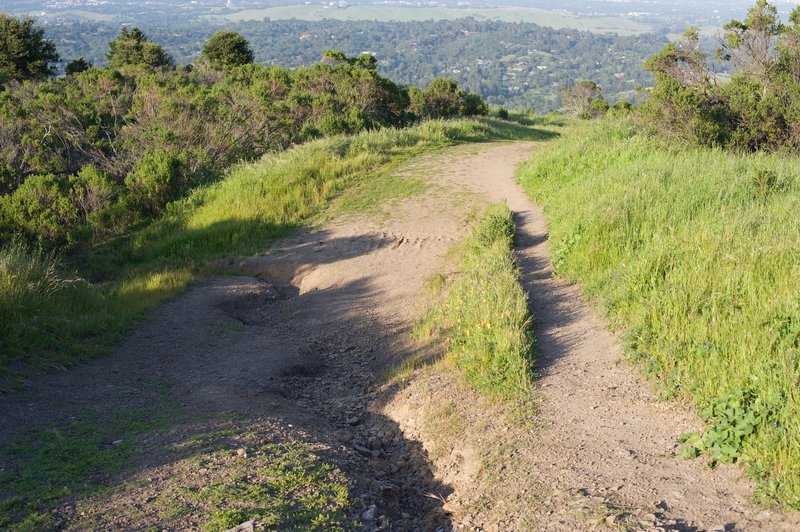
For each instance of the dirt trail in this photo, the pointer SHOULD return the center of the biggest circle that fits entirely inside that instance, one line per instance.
(295, 345)
(605, 439)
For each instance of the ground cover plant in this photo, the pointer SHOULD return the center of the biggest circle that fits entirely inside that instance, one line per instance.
(691, 251)
(66, 460)
(483, 315)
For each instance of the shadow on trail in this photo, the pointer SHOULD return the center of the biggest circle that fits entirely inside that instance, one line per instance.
(551, 305)
(245, 364)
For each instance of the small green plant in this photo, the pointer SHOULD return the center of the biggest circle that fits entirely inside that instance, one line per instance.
(564, 246)
(764, 182)
(731, 420)
(283, 486)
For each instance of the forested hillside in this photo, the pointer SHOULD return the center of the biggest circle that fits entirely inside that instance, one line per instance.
(517, 65)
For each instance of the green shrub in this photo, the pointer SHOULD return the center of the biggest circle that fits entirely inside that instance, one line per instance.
(155, 181)
(42, 209)
(92, 190)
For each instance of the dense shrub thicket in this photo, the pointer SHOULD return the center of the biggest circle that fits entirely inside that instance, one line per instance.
(757, 109)
(91, 154)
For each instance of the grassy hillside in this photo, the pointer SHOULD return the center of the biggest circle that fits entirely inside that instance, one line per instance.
(52, 313)
(693, 252)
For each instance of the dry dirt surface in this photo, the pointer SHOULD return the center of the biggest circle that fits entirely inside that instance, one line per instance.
(296, 347)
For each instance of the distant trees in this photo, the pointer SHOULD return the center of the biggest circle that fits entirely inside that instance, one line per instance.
(226, 49)
(24, 51)
(76, 66)
(758, 109)
(132, 48)
(511, 64)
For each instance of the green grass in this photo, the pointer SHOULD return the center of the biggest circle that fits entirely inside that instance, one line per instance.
(53, 316)
(88, 460)
(282, 486)
(694, 253)
(483, 315)
(70, 459)
(543, 17)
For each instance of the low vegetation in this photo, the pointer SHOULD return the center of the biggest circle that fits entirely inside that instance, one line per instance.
(280, 486)
(693, 252)
(93, 457)
(483, 314)
(67, 460)
(59, 309)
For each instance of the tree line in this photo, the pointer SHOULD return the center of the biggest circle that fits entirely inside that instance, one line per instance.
(517, 65)
(757, 108)
(90, 155)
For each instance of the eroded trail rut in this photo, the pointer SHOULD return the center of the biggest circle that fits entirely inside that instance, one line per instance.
(294, 347)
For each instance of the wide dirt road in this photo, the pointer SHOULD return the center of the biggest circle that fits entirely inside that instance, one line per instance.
(294, 347)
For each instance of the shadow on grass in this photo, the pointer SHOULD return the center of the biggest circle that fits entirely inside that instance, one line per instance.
(519, 127)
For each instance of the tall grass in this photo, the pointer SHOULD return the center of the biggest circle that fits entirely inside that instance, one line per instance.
(484, 314)
(696, 254)
(48, 317)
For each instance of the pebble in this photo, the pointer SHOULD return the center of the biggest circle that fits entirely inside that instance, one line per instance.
(247, 526)
(353, 421)
(369, 513)
(362, 450)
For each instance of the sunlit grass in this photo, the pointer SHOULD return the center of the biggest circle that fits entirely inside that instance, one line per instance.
(694, 254)
(483, 314)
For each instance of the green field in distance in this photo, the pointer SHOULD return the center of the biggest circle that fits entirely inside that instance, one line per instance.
(543, 17)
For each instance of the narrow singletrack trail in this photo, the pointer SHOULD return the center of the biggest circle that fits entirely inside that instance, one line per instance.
(605, 438)
(293, 348)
